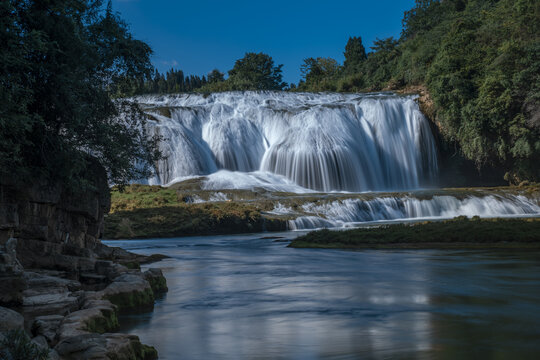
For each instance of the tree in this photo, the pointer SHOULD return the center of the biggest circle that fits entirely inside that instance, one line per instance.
(319, 74)
(355, 54)
(215, 76)
(256, 72)
(63, 63)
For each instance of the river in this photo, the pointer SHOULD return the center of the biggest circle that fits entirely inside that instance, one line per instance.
(251, 297)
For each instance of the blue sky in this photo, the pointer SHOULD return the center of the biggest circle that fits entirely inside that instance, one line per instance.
(200, 35)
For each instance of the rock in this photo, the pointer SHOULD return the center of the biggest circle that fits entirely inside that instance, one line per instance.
(128, 347)
(10, 320)
(84, 346)
(110, 269)
(11, 246)
(106, 346)
(12, 282)
(129, 292)
(53, 355)
(47, 295)
(12, 286)
(157, 281)
(98, 317)
(41, 342)
(47, 326)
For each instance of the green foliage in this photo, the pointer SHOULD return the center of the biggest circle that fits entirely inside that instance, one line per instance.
(256, 71)
(459, 232)
(319, 74)
(355, 55)
(174, 81)
(63, 61)
(216, 76)
(480, 61)
(16, 345)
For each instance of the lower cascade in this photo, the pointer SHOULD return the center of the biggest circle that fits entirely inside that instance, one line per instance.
(323, 142)
(351, 212)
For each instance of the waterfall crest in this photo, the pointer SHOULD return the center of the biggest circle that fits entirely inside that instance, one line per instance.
(323, 142)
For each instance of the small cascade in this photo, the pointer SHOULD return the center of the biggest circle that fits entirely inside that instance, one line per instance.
(351, 212)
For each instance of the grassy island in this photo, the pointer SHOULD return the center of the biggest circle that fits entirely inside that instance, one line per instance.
(460, 232)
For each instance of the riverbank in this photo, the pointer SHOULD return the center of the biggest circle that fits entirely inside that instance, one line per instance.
(457, 233)
(187, 208)
(61, 289)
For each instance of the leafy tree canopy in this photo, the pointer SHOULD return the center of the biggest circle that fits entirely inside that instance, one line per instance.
(62, 62)
(216, 76)
(355, 54)
(256, 71)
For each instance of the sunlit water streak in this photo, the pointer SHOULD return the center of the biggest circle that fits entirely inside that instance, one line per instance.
(247, 297)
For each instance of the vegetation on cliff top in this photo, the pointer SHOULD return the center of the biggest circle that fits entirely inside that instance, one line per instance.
(480, 62)
(63, 64)
(460, 232)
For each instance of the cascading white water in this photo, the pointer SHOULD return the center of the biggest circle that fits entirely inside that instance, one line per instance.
(350, 212)
(322, 142)
(302, 143)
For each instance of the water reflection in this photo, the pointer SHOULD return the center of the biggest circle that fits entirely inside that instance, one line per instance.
(243, 297)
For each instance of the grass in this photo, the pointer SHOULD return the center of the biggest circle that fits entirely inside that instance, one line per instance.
(143, 211)
(142, 196)
(460, 232)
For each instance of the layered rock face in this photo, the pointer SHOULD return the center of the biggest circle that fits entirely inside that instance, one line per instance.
(59, 278)
(55, 228)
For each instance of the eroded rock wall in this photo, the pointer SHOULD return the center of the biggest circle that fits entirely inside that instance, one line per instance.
(55, 228)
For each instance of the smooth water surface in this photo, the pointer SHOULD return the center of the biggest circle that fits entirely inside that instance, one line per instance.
(251, 297)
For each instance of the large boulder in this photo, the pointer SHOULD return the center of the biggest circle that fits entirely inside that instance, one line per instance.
(49, 295)
(47, 326)
(130, 291)
(105, 346)
(157, 281)
(83, 346)
(10, 320)
(129, 347)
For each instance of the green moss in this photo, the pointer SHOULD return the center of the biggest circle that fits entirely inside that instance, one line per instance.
(134, 300)
(146, 352)
(102, 324)
(158, 284)
(460, 232)
(133, 265)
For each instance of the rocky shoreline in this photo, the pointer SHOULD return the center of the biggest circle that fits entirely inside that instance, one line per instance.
(71, 319)
(61, 289)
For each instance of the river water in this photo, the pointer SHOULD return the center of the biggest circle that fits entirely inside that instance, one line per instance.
(251, 297)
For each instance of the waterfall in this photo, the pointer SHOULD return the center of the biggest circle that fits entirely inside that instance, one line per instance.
(351, 212)
(323, 142)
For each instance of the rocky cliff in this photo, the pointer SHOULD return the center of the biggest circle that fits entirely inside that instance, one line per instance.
(65, 285)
